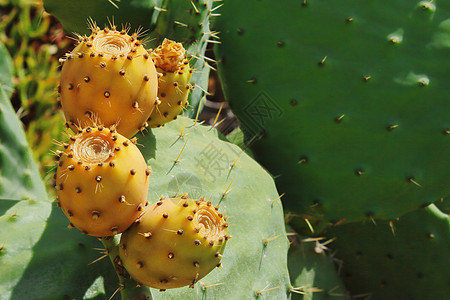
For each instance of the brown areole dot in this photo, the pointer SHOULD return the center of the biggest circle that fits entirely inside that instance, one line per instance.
(95, 215)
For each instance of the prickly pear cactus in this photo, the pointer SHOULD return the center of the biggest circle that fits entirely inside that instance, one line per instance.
(183, 21)
(190, 158)
(405, 259)
(313, 270)
(188, 22)
(39, 257)
(21, 189)
(73, 15)
(109, 78)
(175, 74)
(175, 243)
(102, 181)
(349, 105)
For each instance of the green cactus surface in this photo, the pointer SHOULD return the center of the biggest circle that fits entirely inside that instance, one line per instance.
(405, 259)
(313, 271)
(348, 103)
(19, 177)
(74, 14)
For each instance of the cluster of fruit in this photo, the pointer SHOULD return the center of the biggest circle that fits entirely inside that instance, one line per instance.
(112, 87)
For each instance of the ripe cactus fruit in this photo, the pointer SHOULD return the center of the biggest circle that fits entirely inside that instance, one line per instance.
(102, 181)
(173, 82)
(175, 243)
(110, 78)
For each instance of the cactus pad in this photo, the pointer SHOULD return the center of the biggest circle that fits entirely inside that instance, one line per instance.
(405, 259)
(351, 102)
(313, 272)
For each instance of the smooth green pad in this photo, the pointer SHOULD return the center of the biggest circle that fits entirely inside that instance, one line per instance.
(74, 15)
(410, 264)
(203, 169)
(59, 264)
(300, 75)
(313, 273)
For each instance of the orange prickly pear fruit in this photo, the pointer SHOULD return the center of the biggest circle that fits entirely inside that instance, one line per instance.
(175, 243)
(102, 181)
(109, 78)
(174, 75)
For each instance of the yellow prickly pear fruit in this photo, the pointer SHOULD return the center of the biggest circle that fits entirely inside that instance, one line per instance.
(101, 181)
(175, 243)
(173, 82)
(109, 78)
